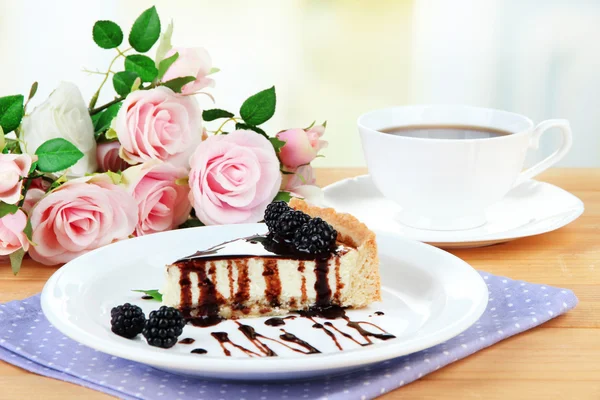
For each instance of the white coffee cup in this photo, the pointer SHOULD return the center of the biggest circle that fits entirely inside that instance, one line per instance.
(447, 183)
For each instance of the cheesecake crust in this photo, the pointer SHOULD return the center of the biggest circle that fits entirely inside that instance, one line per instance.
(352, 232)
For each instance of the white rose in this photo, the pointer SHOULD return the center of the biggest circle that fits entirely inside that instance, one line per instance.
(63, 115)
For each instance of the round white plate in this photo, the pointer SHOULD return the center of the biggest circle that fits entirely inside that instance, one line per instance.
(529, 209)
(429, 296)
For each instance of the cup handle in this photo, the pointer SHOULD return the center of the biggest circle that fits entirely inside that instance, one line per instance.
(563, 149)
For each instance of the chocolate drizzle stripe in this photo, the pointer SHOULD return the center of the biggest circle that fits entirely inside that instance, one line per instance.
(223, 338)
(303, 297)
(185, 283)
(322, 282)
(290, 337)
(230, 275)
(338, 281)
(346, 335)
(272, 282)
(243, 283)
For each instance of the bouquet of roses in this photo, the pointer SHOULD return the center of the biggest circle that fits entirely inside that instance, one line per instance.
(74, 177)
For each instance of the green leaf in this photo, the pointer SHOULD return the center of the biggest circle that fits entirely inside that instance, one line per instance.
(213, 70)
(164, 65)
(215, 113)
(164, 45)
(16, 259)
(123, 81)
(11, 112)
(145, 30)
(256, 129)
(191, 223)
(310, 126)
(283, 196)
(156, 295)
(277, 144)
(32, 91)
(107, 34)
(141, 65)
(6, 209)
(28, 231)
(95, 119)
(56, 155)
(2, 140)
(177, 83)
(105, 118)
(259, 108)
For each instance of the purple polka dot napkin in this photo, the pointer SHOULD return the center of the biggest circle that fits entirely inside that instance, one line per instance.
(30, 342)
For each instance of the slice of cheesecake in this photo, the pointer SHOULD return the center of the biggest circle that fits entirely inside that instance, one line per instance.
(256, 276)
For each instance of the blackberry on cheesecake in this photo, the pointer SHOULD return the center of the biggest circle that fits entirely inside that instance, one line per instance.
(310, 257)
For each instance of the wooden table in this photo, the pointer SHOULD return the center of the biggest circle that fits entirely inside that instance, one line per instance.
(558, 360)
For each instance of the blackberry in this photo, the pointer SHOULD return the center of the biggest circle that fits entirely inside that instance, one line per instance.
(163, 327)
(273, 212)
(316, 237)
(127, 320)
(288, 223)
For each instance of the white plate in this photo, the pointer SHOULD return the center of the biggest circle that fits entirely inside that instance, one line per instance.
(429, 296)
(529, 209)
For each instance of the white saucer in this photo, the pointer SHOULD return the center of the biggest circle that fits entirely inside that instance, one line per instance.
(529, 209)
(429, 296)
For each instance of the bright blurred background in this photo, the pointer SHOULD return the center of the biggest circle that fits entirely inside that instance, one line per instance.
(335, 59)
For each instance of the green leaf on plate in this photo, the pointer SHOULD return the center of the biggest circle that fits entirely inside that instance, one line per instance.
(141, 65)
(277, 144)
(6, 209)
(156, 295)
(11, 112)
(123, 82)
(177, 83)
(283, 196)
(215, 113)
(56, 155)
(145, 30)
(259, 108)
(16, 259)
(107, 34)
(164, 65)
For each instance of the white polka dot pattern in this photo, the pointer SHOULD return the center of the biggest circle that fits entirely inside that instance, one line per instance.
(29, 341)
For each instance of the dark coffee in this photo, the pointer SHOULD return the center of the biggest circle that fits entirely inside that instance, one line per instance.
(456, 132)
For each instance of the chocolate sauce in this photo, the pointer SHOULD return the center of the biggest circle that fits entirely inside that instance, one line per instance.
(379, 313)
(364, 333)
(199, 351)
(322, 283)
(253, 336)
(230, 276)
(346, 335)
(290, 337)
(187, 341)
(147, 297)
(272, 282)
(339, 285)
(243, 281)
(278, 321)
(205, 321)
(223, 338)
(328, 332)
(328, 312)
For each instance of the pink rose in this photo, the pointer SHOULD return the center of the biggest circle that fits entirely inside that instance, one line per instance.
(301, 146)
(193, 61)
(158, 124)
(12, 237)
(80, 215)
(233, 178)
(31, 199)
(13, 167)
(108, 157)
(162, 203)
(304, 175)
